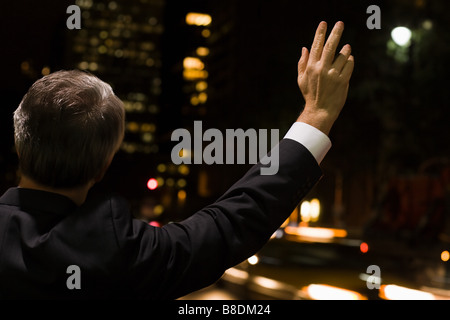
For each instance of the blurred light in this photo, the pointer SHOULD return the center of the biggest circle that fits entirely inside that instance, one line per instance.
(235, 275)
(198, 19)
(161, 167)
(202, 97)
(102, 49)
(145, 127)
(194, 100)
(201, 86)
(202, 51)
(181, 183)
(25, 66)
(305, 209)
(317, 234)
(160, 181)
(112, 5)
(364, 247)
(445, 255)
(253, 260)
(427, 24)
(183, 169)
(154, 224)
(132, 126)
(93, 66)
(103, 34)
(268, 283)
(327, 292)
(45, 71)
(206, 33)
(193, 63)
(158, 209)
(147, 137)
(394, 292)
(191, 74)
(314, 210)
(152, 184)
(83, 65)
(401, 36)
(181, 195)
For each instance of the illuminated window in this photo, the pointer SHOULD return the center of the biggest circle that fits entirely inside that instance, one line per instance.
(132, 127)
(202, 51)
(83, 65)
(183, 169)
(193, 63)
(206, 33)
(198, 19)
(195, 74)
(202, 97)
(161, 167)
(45, 71)
(201, 86)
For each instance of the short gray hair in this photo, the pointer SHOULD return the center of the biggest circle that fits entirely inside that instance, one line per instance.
(66, 128)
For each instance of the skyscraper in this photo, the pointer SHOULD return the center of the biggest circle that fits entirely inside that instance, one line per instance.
(120, 42)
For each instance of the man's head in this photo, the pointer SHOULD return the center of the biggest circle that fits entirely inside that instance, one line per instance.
(67, 128)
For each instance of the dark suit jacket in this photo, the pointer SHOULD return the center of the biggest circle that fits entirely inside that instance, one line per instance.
(42, 233)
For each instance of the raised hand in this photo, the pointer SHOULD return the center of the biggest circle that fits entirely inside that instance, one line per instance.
(324, 79)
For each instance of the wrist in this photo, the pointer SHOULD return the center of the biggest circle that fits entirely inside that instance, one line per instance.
(319, 119)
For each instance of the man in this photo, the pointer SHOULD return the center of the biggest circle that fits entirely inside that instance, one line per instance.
(67, 129)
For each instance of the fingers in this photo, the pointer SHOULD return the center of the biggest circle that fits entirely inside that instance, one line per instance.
(303, 62)
(319, 39)
(333, 40)
(342, 58)
(348, 68)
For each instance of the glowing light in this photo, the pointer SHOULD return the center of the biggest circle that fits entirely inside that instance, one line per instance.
(253, 260)
(181, 183)
(45, 71)
(181, 195)
(158, 209)
(202, 51)
(305, 209)
(201, 86)
(401, 36)
(364, 247)
(133, 126)
(154, 224)
(152, 184)
(316, 234)
(198, 19)
(327, 292)
(394, 292)
(445, 255)
(206, 33)
(193, 63)
(183, 169)
(202, 97)
(314, 210)
(191, 74)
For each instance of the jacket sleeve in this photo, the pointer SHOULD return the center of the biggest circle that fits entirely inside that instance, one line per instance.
(169, 262)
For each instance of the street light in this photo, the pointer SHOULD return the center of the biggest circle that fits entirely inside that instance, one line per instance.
(401, 36)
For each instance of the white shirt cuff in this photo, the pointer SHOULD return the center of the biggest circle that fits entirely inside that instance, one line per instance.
(312, 138)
